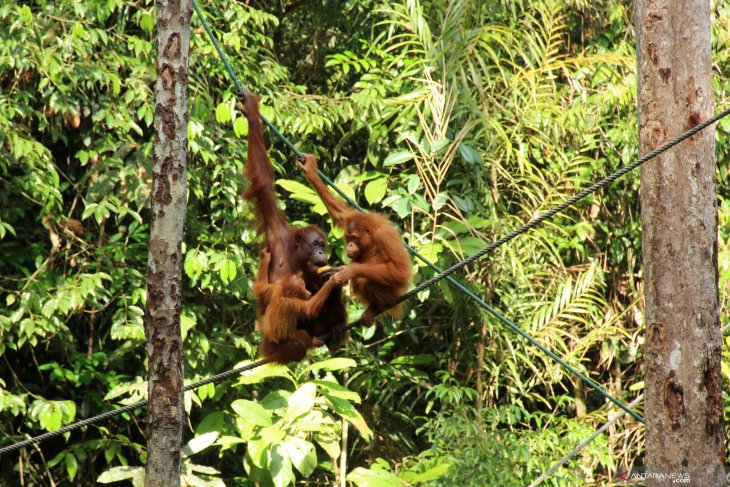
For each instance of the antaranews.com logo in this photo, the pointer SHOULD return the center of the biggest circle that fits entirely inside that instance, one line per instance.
(675, 477)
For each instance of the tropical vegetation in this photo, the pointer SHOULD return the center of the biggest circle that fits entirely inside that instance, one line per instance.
(460, 120)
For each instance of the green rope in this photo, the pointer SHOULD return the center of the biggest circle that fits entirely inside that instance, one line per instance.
(582, 445)
(441, 273)
(223, 58)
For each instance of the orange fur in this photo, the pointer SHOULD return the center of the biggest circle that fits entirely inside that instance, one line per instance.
(287, 328)
(381, 267)
(291, 350)
(286, 302)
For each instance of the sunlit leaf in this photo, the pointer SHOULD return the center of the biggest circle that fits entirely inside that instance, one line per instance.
(72, 466)
(258, 374)
(348, 411)
(240, 127)
(374, 478)
(199, 443)
(223, 113)
(116, 474)
(259, 453)
(147, 23)
(375, 190)
(251, 412)
(301, 453)
(337, 390)
(280, 465)
(332, 364)
(227, 270)
(397, 158)
(302, 401)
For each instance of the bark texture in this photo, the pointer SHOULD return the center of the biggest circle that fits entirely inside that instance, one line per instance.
(164, 268)
(683, 401)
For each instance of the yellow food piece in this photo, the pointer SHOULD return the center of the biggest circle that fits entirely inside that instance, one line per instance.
(323, 269)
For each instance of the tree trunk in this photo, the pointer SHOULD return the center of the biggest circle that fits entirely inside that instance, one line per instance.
(164, 270)
(683, 405)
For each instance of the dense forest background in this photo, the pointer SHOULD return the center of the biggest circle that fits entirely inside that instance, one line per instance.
(460, 120)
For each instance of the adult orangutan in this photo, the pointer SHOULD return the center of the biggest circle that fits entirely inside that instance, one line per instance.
(292, 250)
(381, 267)
(286, 303)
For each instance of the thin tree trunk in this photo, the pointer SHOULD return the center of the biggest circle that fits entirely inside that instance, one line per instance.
(480, 369)
(579, 397)
(343, 455)
(164, 270)
(683, 402)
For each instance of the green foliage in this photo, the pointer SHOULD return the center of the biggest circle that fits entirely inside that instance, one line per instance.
(192, 475)
(514, 456)
(459, 120)
(283, 430)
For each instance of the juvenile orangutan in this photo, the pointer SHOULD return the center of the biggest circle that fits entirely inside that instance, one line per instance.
(286, 303)
(381, 267)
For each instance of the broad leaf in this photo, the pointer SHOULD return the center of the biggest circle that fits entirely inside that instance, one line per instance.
(280, 466)
(332, 364)
(301, 453)
(302, 401)
(252, 412)
(116, 474)
(374, 478)
(397, 158)
(375, 190)
(199, 443)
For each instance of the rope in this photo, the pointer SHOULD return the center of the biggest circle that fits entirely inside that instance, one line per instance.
(565, 205)
(124, 409)
(445, 274)
(224, 58)
(582, 445)
(442, 274)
